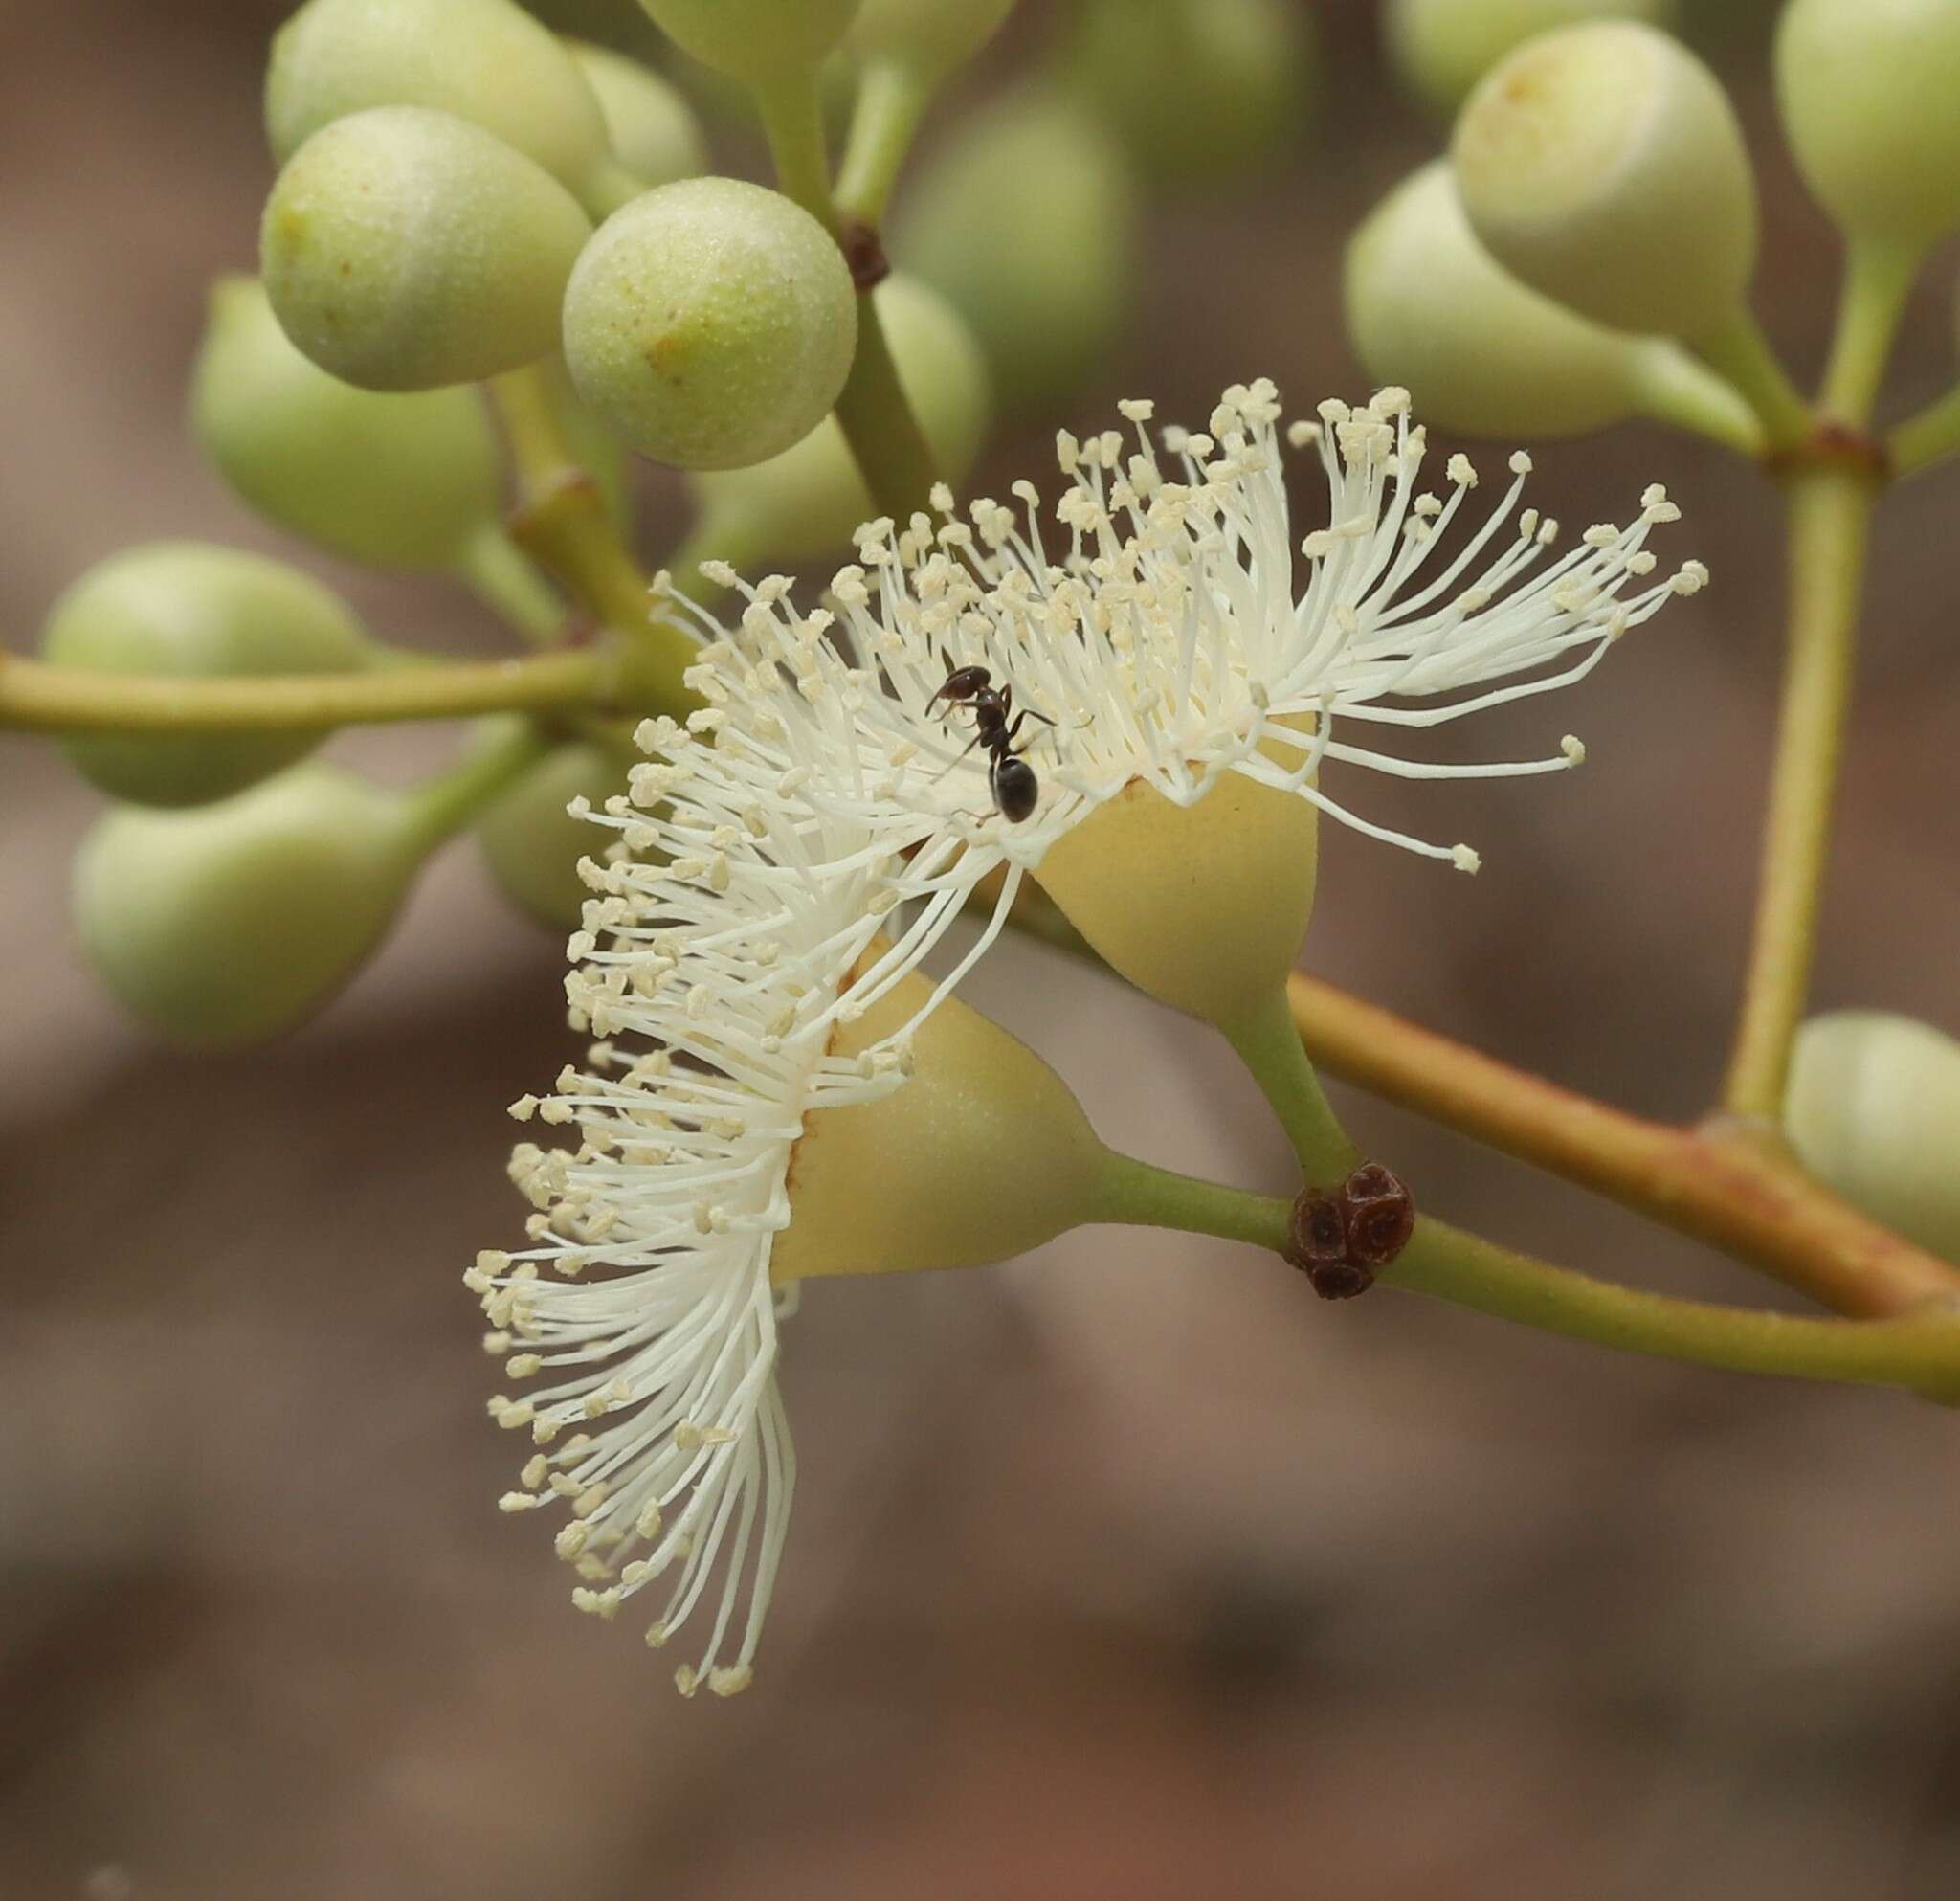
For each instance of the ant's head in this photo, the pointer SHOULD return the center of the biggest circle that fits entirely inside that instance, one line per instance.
(961, 683)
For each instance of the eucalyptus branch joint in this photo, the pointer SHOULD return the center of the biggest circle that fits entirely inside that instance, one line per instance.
(1341, 1238)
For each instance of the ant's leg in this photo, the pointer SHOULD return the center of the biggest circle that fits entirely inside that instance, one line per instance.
(952, 763)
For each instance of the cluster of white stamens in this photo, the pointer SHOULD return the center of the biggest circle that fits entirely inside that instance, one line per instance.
(779, 866)
(1170, 636)
(724, 940)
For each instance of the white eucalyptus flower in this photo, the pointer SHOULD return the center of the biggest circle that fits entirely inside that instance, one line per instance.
(734, 1138)
(1164, 638)
(642, 1319)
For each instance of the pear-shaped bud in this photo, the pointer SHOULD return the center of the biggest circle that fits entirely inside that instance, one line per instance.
(1874, 1108)
(1028, 220)
(652, 127)
(983, 1153)
(812, 496)
(1441, 48)
(1603, 165)
(405, 248)
(711, 322)
(533, 843)
(229, 923)
(760, 42)
(191, 611)
(1870, 92)
(1203, 907)
(926, 39)
(1200, 90)
(402, 480)
(1429, 311)
(484, 61)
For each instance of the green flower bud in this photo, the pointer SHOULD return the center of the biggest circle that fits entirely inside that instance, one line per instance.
(1870, 91)
(484, 61)
(394, 480)
(1028, 221)
(1203, 907)
(811, 497)
(1203, 90)
(1441, 48)
(926, 39)
(232, 923)
(191, 611)
(533, 844)
(760, 42)
(1429, 311)
(1873, 1108)
(915, 1179)
(710, 323)
(1603, 165)
(404, 249)
(652, 127)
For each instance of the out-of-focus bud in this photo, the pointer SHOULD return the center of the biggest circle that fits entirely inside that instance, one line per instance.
(760, 42)
(652, 127)
(404, 480)
(1441, 48)
(1198, 90)
(404, 248)
(1874, 1108)
(982, 1154)
(484, 61)
(1483, 354)
(1870, 92)
(1202, 907)
(232, 923)
(812, 496)
(1603, 165)
(195, 611)
(926, 39)
(533, 844)
(1027, 220)
(711, 322)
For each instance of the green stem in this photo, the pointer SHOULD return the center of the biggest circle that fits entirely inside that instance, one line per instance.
(539, 450)
(884, 437)
(36, 698)
(1931, 436)
(440, 807)
(1919, 1351)
(883, 124)
(493, 570)
(793, 123)
(1737, 351)
(1139, 1194)
(1269, 1046)
(872, 409)
(1671, 386)
(1878, 277)
(1829, 516)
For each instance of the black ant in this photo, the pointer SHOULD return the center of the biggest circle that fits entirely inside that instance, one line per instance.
(997, 725)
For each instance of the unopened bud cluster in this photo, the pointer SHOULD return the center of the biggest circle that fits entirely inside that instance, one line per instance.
(1594, 229)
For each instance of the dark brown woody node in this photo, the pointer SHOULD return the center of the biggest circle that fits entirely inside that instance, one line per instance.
(1317, 1244)
(1379, 1215)
(864, 254)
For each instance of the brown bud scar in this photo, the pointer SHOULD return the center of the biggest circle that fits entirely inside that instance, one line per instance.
(864, 254)
(1317, 1239)
(1378, 1214)
(1342, 1280)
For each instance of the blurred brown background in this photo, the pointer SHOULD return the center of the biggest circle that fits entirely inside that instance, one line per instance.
(1126, 1571)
